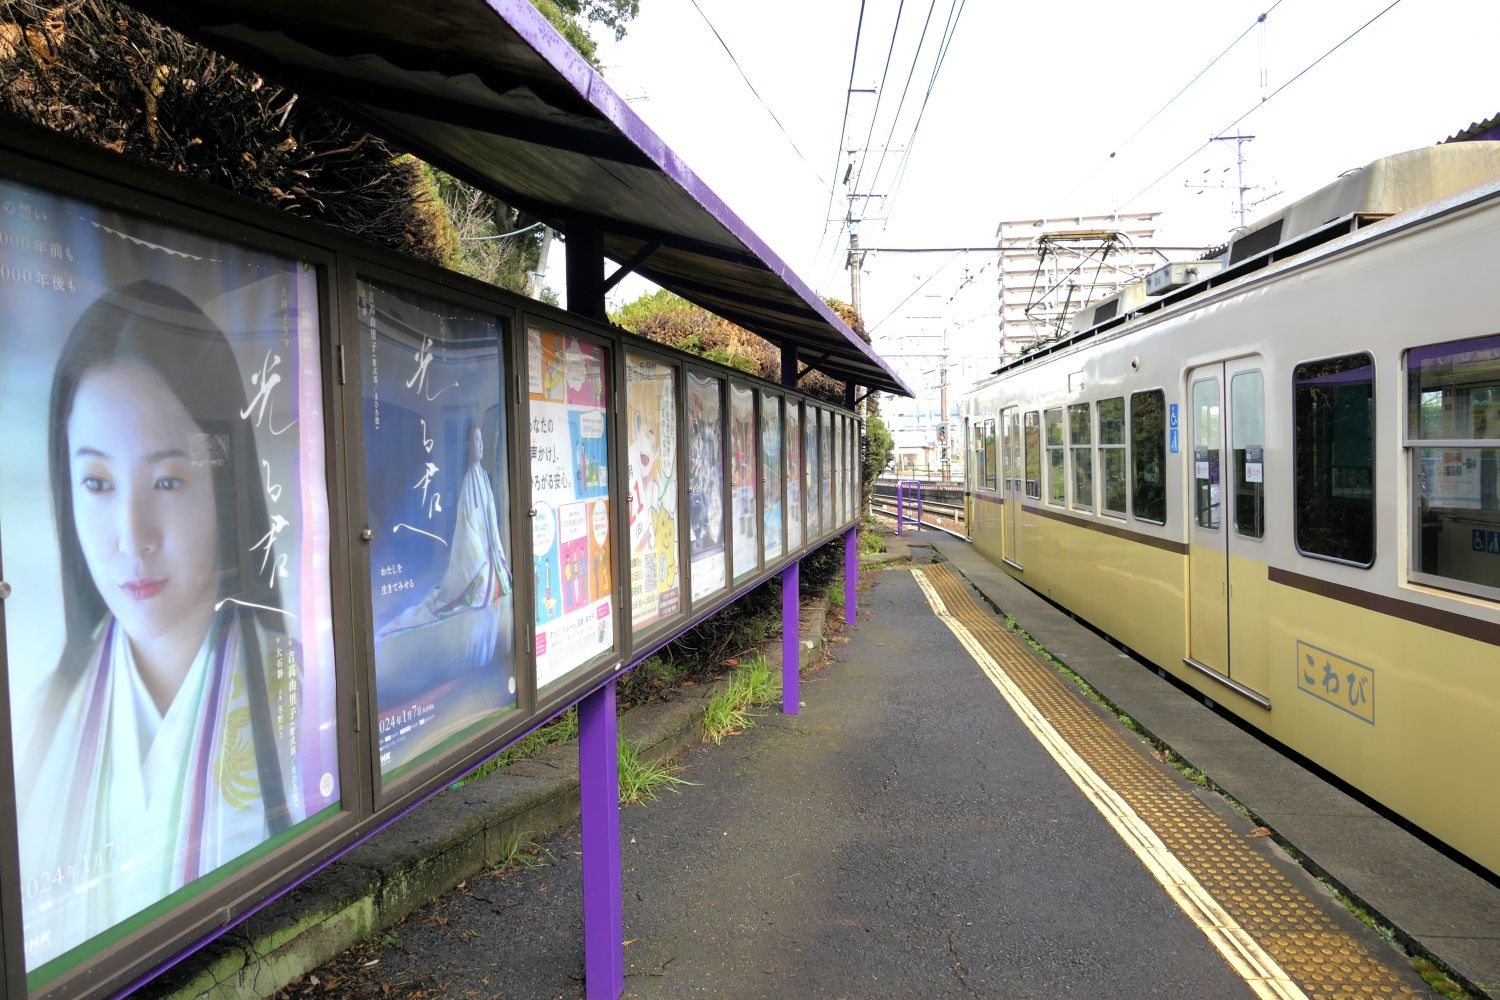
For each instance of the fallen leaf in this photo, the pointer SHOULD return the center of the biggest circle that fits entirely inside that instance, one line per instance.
(1261, 831)
(632, 941)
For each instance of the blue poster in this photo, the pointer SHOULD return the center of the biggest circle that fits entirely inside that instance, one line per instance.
(440, 571)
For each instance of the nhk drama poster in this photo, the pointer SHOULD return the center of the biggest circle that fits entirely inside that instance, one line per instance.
(651, 441)
(705, 436)
(439, 509)
(570, 530)
(169, 640)
(742, 466)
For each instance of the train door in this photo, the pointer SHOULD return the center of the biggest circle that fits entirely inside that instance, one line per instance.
(1010, 510)
(1226, 515)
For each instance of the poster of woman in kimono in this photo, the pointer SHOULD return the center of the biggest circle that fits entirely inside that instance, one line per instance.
(169, 641)
(651, 432)
(436, 481)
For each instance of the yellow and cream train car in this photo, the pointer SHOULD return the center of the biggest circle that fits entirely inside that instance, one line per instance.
(1277, 477)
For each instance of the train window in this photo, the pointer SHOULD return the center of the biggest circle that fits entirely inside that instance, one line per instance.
(991, 464)
(1334, 444)
(1453, 440)
(1208, 434)
(1056, 474)
(1034, 455)
(1112, 454)
(1148, 456)
(1247, 419)
(1081, 446)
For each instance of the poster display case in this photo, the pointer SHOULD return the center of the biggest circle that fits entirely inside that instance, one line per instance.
(810, 472)
(793, 474)
(706, 494)
(743, 450)
(771, 475)
(651, 455)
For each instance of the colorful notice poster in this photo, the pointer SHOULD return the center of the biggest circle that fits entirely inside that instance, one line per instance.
(439, 502)
(771, 473)
(165, 522)
(651, 442)
(793, 476)
(742, 468)
(570, 530)
(705, 431)
(810, 471)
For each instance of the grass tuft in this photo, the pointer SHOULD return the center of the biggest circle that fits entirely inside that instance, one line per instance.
(640, 779)
(728, 712)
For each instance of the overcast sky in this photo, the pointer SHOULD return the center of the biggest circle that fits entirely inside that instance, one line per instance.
(1031, 100)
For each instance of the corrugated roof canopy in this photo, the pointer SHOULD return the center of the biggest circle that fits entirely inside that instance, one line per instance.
(488, 90)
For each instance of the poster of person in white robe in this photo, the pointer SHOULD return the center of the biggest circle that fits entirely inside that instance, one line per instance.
(651, 440)
(571, 537)
(810, 471)
(439, 511)
(169, 640)
(705, 442)
(742, 468)
(793, 475)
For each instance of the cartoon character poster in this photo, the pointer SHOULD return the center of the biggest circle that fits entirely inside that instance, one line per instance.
(435, 477)
(570, 529)
(651, 445)
(793, 476)
(771, 473)
(810, 471)
(742, 461)
(166, 532)
(705, 436)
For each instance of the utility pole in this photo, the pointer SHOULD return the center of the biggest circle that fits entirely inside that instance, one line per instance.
(855, 260)
(943, 443)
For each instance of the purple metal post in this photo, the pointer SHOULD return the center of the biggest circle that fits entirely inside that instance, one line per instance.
(599, 798)
(851, 573)
(919, 506)
(791, 639)
(900, 506)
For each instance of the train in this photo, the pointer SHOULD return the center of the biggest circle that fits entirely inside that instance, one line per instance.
(1274, 474)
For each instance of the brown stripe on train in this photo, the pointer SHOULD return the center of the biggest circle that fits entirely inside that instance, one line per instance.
(1168, 544)
(1443, 621)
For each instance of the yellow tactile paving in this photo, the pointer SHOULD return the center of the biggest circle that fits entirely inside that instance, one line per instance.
(1310, 948)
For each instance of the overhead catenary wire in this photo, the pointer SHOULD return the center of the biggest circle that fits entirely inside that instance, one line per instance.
(1258, 105)
(838, 153)
(910, 72)
(743, 76)
(871, 329)
(937, 68)
(879, 96)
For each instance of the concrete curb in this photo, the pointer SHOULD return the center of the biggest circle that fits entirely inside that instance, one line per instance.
(459, 833)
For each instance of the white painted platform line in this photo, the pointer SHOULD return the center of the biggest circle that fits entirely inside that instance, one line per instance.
(1248, 959)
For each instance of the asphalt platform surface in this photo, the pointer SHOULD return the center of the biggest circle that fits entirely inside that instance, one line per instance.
(904, 836)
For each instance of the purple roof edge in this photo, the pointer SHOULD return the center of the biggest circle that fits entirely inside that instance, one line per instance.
(536, 32)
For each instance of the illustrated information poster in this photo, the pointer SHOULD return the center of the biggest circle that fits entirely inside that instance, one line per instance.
(570, 530)
(810, 470)
(770, 464)
(793, 476)
(742, 462)
(705, 420)
(439, 501)
(825, 476)
(169, 640)
(651, 430)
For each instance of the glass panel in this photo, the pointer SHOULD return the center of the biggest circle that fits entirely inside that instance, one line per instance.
(991, 462)
(166, 530)
(793, 476)
(436, 469)
(1334, 439)
(770, 473)
(1112, 461)
(651, 440)
(1207, 435)
(1148, 454)
(1112, 421)
(1057, 484)
(1454, 390)
(825, 496)
(742, 448)
(1248, 428)
(1080, 438)
(1458, 504)
(705, 426)
(1034, 455)
(810, 465)
(571, 535)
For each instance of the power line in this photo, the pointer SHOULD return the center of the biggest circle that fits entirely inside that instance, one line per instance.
(937, 68)
(838, 153)
(871, 329)
(1260, 104)
(911, 71)
(762, 100)
(879, 94)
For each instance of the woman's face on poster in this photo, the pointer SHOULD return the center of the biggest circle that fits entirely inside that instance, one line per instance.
(143, 499)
